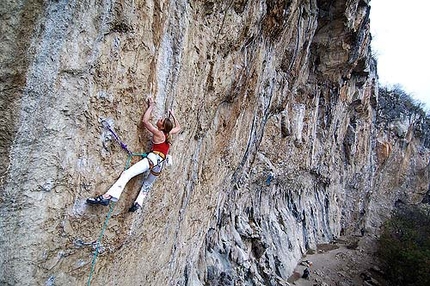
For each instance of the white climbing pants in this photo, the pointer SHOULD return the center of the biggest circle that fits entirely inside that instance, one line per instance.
(140, 167)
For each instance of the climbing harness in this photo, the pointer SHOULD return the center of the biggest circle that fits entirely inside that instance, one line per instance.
(97, 244)
(156, 169)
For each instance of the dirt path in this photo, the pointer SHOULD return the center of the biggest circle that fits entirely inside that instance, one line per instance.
(349, 261)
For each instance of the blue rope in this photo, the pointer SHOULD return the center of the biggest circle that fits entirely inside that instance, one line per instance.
(98, 244)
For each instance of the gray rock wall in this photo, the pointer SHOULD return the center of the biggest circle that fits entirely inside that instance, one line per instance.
(279, 149)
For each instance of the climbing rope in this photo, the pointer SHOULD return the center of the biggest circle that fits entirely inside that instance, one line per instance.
(97, 245)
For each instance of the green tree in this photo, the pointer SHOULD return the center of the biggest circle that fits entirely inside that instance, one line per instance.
(404, 247)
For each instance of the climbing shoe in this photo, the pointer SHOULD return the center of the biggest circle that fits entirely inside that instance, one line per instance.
(134, 207)
(99, 200)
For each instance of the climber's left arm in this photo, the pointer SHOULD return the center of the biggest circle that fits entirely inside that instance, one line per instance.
(177, 127)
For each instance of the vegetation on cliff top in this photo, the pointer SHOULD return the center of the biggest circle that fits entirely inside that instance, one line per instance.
(395, 105)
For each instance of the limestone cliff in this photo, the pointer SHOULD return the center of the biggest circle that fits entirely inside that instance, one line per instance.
(281, 148)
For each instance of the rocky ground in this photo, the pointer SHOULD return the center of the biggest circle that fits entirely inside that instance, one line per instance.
(348, 261)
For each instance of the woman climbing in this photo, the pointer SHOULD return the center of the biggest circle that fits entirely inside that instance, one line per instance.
(154, 161)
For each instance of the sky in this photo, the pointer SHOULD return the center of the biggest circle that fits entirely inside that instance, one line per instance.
(400, 41)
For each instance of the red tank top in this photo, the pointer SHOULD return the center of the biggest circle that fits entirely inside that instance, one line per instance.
(161, 147)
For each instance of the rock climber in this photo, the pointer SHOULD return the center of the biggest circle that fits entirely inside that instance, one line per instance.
(154, 161)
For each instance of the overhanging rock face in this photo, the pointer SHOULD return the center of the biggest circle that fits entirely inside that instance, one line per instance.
(279, 151)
